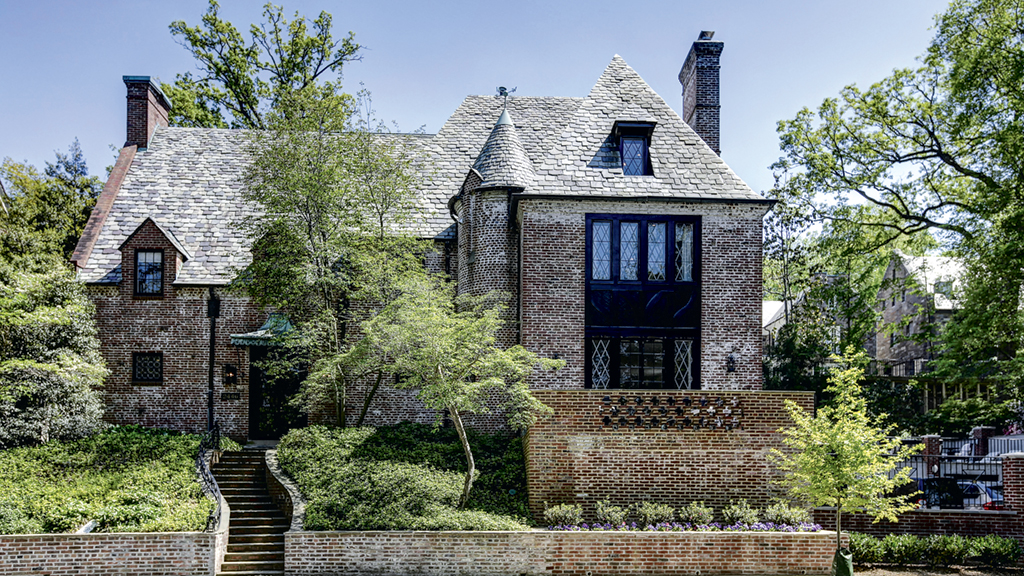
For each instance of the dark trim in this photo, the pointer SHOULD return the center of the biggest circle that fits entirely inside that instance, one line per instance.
(517, 197)
(135, 274)
(157, 382)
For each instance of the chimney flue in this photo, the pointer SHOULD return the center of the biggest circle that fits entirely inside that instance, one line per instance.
(699, 77)
(148, 107)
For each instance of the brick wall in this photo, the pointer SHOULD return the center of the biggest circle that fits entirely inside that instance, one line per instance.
(145, 113)
(572, 457)
(554, 286)
(568, 553)
(177, 326)
(700, 80)
(157, 554)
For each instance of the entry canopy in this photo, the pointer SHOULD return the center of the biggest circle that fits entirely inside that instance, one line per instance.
(277, 325)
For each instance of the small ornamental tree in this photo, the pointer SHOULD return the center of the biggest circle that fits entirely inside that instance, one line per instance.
(444, 347)
(841, 457)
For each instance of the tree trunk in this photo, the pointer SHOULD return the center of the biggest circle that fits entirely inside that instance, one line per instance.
(839, 525)
(470, 465)
(369, 398)
(339, 399)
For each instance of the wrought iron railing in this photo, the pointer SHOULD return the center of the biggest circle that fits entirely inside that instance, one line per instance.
(208, 443)
(956, 482)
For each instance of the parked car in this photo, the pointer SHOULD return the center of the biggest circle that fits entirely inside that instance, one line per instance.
(980, 496)
(933, 493)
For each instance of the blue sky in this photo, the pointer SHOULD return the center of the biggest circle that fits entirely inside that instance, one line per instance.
(61, 62)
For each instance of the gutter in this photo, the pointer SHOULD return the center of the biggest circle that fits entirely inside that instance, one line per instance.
(639, 199)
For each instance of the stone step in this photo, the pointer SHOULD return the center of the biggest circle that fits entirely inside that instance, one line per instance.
(255, 556)
(239, 491)
(259, 530)
(253, 566)
(239, 483)
(252, 573)
(261, 520)
(243, 507)
(256, 539)
(276, 547)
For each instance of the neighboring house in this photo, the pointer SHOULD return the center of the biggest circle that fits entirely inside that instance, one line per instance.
(632, 251)
(917, 297)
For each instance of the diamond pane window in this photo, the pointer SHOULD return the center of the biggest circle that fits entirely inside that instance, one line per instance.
(629, 244)
(656, 251)
(602, 251)
(634, 155)
(684, 252)
(630, 362)
(600, 361)
(149, 272)
(148, 367)
(684, 364)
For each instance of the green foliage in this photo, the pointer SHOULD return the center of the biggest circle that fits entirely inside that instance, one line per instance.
(783, 513)
(992, 550)
(956, 417)
(608, 514)
(50, 364)
(840, 457)
(898, 404)
(126, 478)
(652, 513)
(563, 514)
(239, 81)
(947, 550)
(904, 549)
(403, 477)
(740, 513)
(935, 550)
(696, 513)
(866, 548)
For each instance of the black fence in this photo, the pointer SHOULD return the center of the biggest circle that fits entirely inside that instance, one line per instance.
(208, 443)
(955, 482)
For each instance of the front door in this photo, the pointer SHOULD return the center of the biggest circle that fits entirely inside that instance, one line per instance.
(271, 413)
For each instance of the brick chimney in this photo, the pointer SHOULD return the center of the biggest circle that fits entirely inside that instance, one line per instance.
(148, 107)
(699, 78)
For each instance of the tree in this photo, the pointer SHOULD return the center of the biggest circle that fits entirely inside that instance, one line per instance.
(47, 212)
(50, 363)
(444, 347)
(238, 83)
(841, 457)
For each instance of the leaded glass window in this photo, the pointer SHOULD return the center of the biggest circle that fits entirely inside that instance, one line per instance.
(148, 367)
(640, 363)
(629, 249)
(601, 362)
(601, 246)
(683, 359)
(634, 155)
(684, 252)
(656, 251)
(149, 272)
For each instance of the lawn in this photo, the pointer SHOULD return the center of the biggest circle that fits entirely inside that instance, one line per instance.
(405, 477)
(126, 479)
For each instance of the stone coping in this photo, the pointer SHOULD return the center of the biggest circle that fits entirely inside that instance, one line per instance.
(292, 490)
(938, 511)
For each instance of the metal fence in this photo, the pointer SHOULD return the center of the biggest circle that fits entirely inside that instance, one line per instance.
(208, 443)
(955, 482)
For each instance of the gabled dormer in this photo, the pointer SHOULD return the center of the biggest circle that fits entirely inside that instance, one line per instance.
(151, 257)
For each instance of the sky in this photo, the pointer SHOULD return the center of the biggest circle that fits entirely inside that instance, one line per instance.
(61, 62)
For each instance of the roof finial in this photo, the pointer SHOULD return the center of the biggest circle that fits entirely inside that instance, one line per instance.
(502, 91)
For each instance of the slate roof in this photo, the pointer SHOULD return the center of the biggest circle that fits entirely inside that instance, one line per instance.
(188, 180)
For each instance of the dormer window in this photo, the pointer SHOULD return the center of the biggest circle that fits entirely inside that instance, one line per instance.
(634, 140)
(149, 273)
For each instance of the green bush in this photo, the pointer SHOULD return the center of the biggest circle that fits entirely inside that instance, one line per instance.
(866, 548)
(563, 514)
(651, 513)
(947, 550)
(740, 512)
(696, 513)
(126, 478)
(995, 550)
(608, 514)
(404, 477)
(783, 513)
(903, 549)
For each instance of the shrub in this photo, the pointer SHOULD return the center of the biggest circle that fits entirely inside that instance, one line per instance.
(740, 513)
(14, 521)
(651, 513)
(995, 550)
(696, 513)
(903, 549)
(404, 477)
(783, 513)
(608, 514)
(947, 550)
(865, 548)
(563, 514)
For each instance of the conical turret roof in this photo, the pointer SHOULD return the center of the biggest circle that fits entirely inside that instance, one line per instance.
(503, 162)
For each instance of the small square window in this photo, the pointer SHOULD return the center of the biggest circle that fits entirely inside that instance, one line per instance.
(148, 367)
(634, 139)
(149, 273)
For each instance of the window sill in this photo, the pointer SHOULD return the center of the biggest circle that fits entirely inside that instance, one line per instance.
(147, 297)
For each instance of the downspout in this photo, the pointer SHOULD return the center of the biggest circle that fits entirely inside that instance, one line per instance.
(519, 268)
(212, 312)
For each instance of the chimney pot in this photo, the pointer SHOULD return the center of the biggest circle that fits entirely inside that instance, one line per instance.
(148, 107)
(699, 77)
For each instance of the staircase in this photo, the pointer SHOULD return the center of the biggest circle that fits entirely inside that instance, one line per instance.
(256, 540)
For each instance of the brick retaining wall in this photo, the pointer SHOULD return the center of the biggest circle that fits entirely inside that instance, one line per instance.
(562, 553)
(926, 522)
(573, 457)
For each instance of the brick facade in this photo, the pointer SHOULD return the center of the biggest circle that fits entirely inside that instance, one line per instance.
(572, 457)
(700, 80)
(557, 553)
(147, 109)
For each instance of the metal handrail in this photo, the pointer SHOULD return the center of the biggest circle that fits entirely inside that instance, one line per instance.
(209, 442)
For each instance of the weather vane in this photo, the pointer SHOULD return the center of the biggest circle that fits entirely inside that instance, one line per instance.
(505, 92)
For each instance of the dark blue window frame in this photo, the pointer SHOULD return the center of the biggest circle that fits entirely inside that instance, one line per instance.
(634, 137)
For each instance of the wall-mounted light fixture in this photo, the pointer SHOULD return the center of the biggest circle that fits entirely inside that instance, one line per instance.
(230, 375)
(730, 363)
